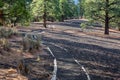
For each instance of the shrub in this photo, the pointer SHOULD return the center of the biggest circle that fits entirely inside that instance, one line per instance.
(83, 26)
(7, 32)
(4, 44)
(31, 42)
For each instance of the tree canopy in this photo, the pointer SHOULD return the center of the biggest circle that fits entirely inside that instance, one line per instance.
(13, 11)
(106, 12)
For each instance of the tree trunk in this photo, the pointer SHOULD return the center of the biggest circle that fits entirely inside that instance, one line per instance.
(107, 19)
(44, 20)
(119, 28)
(44, 15)
(106, 25)
(62, 18)
(63, 12)
(15, 22)
(2, 20)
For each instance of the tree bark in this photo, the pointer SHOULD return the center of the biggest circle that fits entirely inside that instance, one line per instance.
(2, 20)
(106, 24)
(44, 15)
(15, 22)
(62, 18)
(107, 19)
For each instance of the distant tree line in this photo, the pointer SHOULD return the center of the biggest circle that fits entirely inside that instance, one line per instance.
(106, 12)
(23, 11)
(13, 11)
(55, 10)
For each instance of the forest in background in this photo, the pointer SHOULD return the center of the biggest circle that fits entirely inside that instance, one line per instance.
(104, 12)
(59, 40)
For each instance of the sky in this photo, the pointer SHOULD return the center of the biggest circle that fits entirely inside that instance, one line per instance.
(76, 1)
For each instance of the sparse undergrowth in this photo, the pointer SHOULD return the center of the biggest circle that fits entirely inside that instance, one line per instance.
(31, 42)
(4, 44)
(6, 32)
(11, 52)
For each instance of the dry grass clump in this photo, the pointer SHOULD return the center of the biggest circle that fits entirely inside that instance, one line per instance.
(31, 42)
(7, 32)
(4, 44)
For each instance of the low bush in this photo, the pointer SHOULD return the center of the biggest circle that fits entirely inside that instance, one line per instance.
(4, 44)
(31, 42)
(7, 32)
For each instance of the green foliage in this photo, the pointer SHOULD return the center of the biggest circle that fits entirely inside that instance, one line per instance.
(23, 11)
(83, 26)
(106, 12)
(55, 9)
(1, 4)
(7, 32)
(96, 10)
(86, 25)
(15, 11)
(82, 6)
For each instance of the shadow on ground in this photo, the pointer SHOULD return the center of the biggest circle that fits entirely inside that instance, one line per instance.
(102, 63)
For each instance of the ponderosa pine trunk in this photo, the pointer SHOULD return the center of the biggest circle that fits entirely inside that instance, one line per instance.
(44, 15)
(62, 18)
(106, 24)
(107, 18)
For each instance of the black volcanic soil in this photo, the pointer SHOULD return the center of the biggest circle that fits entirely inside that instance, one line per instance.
(98, 53)
(9, 60)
